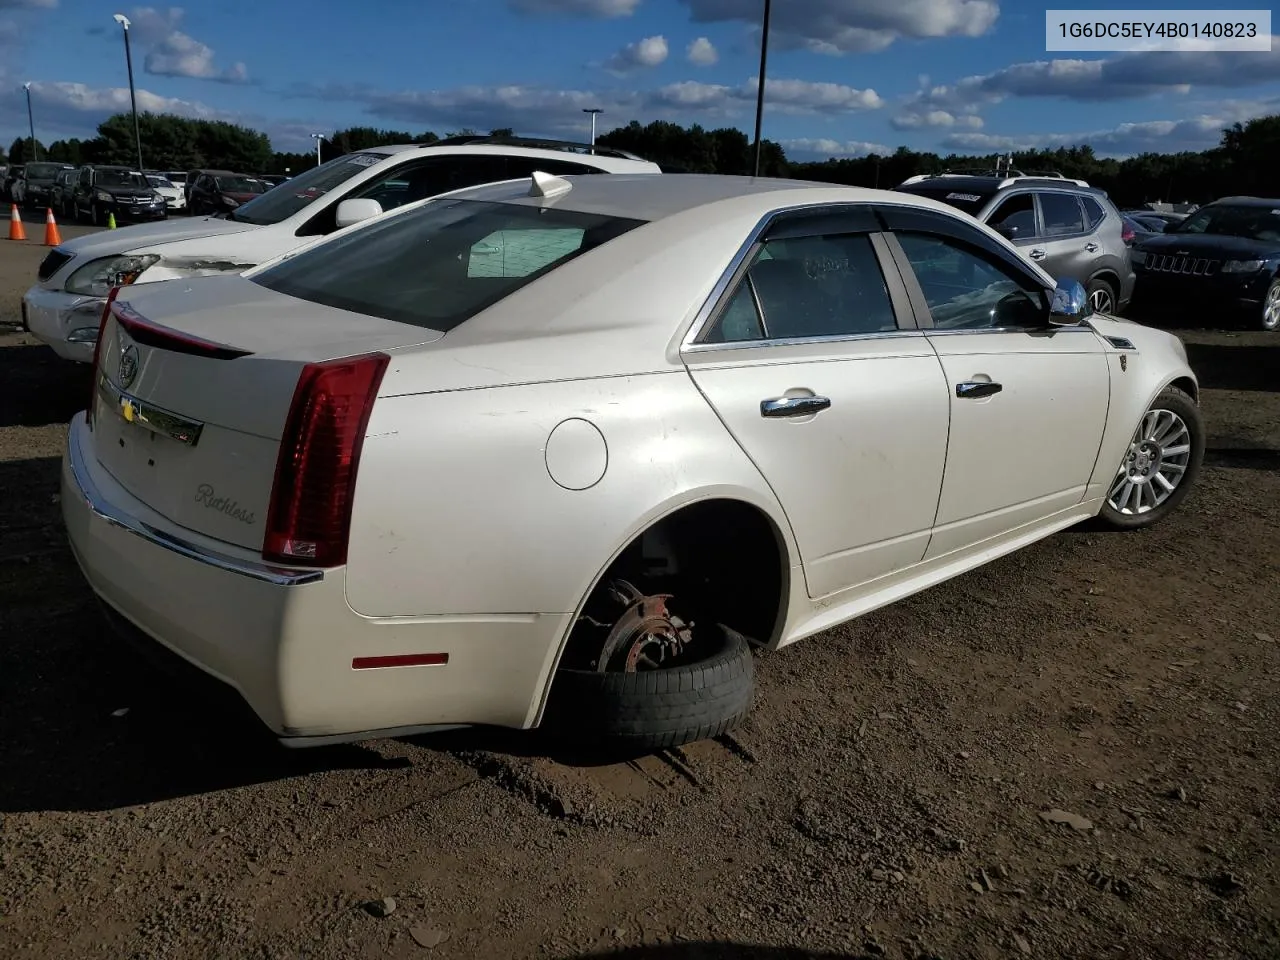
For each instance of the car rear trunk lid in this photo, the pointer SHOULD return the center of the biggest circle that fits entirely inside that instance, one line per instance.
(193, 388)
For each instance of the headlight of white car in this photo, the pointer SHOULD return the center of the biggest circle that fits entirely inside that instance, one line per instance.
(1242, 266)
(97, 277)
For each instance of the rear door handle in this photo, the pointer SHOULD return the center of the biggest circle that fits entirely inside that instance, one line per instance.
(793, 406)
(1037, 254)
(1091, 247)
(976, 389)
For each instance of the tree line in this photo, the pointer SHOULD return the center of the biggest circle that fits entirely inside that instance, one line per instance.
(1242, 162)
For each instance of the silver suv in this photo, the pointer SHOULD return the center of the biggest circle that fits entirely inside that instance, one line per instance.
(1069, 228)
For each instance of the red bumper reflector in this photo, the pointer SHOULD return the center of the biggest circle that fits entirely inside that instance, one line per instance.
(404, 660)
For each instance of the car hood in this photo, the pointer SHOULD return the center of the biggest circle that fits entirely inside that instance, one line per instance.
(1210, 245)
(124, 239)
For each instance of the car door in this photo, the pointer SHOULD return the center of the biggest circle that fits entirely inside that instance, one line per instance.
(812, 361)
(1028, 399)
(1065, 239)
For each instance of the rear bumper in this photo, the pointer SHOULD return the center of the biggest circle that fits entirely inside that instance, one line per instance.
(285, 639)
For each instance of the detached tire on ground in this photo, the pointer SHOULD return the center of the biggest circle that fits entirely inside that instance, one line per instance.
(655, 709)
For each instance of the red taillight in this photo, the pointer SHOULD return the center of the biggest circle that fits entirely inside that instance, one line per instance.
(309, 517)
(1127, 234)
(97, 353)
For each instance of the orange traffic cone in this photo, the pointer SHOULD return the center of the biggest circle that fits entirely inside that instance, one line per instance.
(16, 231)
(51, 235)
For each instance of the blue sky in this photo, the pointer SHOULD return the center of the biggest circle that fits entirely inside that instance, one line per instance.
(845, 76)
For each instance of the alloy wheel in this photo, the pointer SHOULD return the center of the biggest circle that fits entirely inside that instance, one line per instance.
(1271, 308)
(1154, 464)
(1100, 300)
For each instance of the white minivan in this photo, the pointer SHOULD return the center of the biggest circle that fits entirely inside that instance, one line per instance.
(65, 306)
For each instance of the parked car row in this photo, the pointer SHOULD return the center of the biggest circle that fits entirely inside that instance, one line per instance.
(653, 421)
(1224, 256)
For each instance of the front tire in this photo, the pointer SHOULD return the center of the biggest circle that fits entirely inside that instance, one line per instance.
(1271, 307)
(1160, 465)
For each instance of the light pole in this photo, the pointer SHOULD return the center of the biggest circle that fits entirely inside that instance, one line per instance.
(31, 122)
(764, 56)
(317, 137)
(595, 112)
(121, 19)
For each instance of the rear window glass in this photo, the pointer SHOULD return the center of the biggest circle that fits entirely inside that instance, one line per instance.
(1093, 210)
(442, 263)
(968, 200)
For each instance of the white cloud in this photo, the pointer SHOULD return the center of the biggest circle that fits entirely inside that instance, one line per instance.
(545, 110)
(855, 26)
(1158, 136)
(702, 53)
(1125, 77)
(604, 9)
(935, 118)
(826, 148)
(641, 55)
(172, 53)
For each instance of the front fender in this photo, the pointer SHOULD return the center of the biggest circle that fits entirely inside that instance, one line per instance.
(1142, 361)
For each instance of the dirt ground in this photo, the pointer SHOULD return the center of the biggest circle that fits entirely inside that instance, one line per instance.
(888, 797)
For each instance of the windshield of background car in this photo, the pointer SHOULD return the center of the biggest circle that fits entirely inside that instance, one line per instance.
(43, 171)
(1252, 223)
(160, 183)
(120, 178)
(306, 188)
(444, 262)
(971, 202)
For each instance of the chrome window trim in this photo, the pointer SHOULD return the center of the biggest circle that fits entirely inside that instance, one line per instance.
(801, 341)
(966, 331)
(105, 511)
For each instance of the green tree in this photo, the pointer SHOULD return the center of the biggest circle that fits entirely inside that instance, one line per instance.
(20, 151)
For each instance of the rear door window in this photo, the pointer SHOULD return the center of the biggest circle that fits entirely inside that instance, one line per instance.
(1061, 214)
(1016, 212)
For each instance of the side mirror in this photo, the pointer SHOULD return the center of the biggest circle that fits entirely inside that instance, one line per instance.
(1008, 231)
(1070, 304)
(353, 211)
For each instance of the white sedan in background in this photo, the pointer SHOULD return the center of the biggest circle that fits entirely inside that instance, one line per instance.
(174, 197)
(560, 450)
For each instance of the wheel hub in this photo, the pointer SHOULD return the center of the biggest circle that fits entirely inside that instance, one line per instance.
(1153, 468)
(645, 636)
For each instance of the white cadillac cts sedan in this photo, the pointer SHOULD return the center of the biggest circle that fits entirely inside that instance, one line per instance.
(560, 451)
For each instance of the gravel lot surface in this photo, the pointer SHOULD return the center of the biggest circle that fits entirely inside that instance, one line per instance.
(1070, 753)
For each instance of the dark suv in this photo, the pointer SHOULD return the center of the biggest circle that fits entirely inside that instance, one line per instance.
(100, 191)
(1070, 229)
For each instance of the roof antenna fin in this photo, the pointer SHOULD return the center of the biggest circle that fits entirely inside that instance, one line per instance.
(545, 185)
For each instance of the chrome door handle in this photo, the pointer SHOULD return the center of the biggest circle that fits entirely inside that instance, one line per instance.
(793, 406)
(1091, 247)
(1037, 254)
(975, 389)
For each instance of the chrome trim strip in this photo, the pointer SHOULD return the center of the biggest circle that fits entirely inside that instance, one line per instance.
(799, 341)
(148, 415)
(97, 503)
(965, 331)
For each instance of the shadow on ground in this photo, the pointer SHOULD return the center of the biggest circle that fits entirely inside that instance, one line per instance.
(723, 951)
(1221, 366)
(37, 387)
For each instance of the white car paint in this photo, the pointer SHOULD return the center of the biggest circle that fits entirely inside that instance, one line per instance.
(203, 246)
(508, 462)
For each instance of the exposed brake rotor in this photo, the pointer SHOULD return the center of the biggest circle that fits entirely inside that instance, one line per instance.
(645, 635)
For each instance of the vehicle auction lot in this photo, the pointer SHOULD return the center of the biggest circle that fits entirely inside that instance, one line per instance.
(884, 799)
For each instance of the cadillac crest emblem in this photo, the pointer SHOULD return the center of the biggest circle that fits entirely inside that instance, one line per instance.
(128, 370)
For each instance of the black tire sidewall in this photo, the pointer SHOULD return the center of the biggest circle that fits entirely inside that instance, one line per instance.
(1170, 398)
(652, 709)
(1098, 283)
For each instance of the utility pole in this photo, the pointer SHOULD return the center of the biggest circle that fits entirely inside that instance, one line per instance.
(31, 122)
(764, 58)
(595, 112)
(121, 19)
